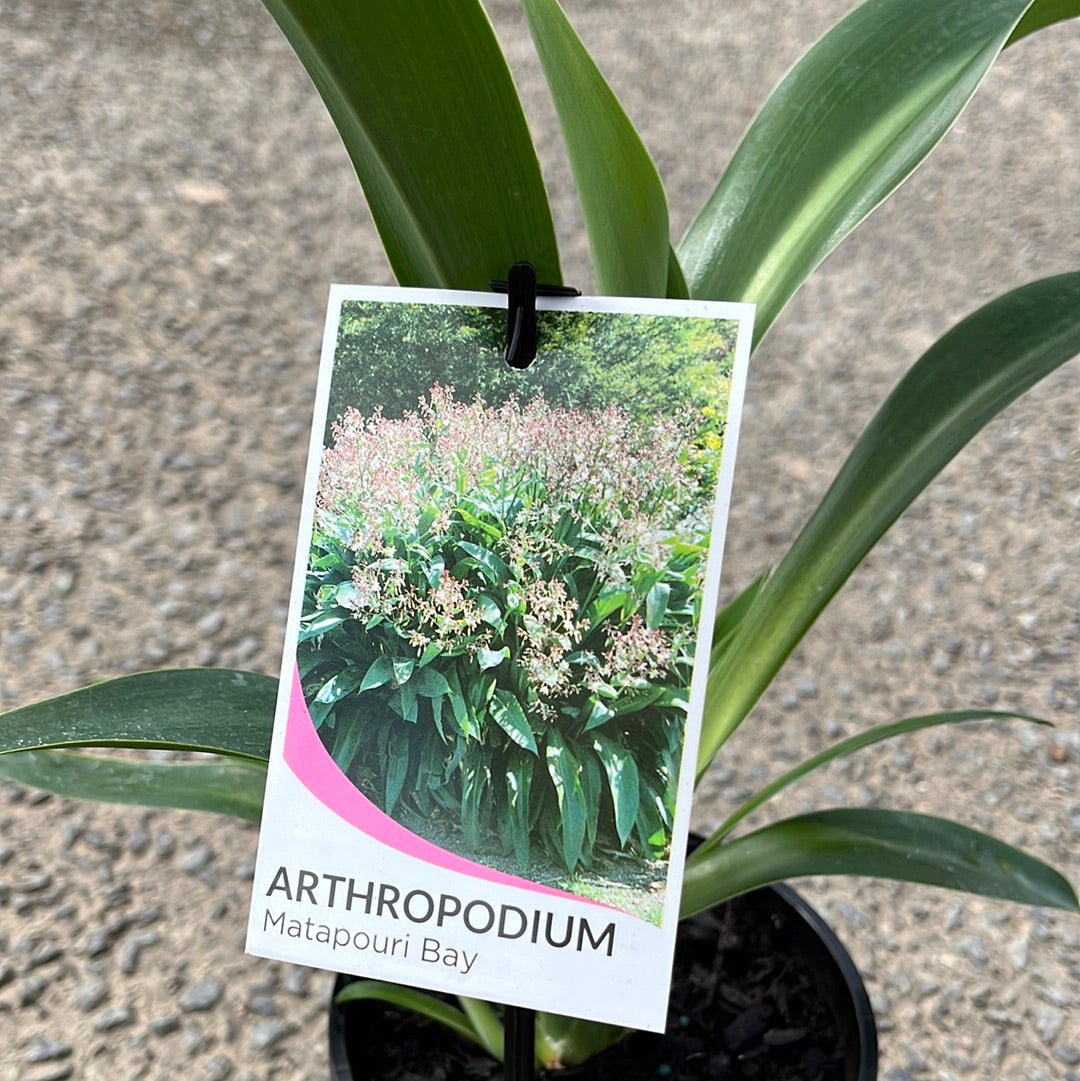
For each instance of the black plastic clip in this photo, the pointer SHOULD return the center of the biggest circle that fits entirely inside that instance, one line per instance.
(520, 1043)
(523, 290)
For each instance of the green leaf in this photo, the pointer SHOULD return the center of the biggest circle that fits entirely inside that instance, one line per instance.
(507, 713)
(849, 746)
(487, 1025)
(592, 790)
(623, 782)
(431, 651)
(563, 769)
(348, 736)
(472, 520)
(607, 603)
(518, 795)
(491, 658)
(475, 781)
(423, 100)
(1043, 13)
(320, 624)
(677, 289)
(486, 561)
(380, 673)
(228, 786)
(458, 705)
(570, 1041)
(599, 714)
(635, 701)
(851, 120)
(197, 709)
(407, 700)
(320, 713)
(656, 605)
(403, 669)
(621, 196)
(333, 690)
(399, 747)
(959, 384)
(884, 844)
(409, 999)
(732, 614)
(490, 612)
(430, 684)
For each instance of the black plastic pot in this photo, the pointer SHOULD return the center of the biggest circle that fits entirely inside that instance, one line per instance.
(809, 951)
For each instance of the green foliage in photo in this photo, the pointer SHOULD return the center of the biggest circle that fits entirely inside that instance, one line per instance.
(387, 354)
(500, 617)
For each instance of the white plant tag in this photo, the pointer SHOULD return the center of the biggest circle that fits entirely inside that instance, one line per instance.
(497, 647)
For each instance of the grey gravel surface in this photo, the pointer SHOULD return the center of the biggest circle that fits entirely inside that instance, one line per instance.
(174, 204)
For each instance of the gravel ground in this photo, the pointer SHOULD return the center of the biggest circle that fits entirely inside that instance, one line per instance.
(174, 206)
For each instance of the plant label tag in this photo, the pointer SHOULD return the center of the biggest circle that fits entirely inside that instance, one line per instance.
(497, 647)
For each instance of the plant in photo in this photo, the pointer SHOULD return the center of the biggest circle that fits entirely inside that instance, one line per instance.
(499, 618)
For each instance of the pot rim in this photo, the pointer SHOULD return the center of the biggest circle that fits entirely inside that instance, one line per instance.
(808, 926)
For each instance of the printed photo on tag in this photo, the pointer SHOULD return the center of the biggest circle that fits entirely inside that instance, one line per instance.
(498, 641)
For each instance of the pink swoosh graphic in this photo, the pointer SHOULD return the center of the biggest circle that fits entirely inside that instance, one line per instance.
(318, 773)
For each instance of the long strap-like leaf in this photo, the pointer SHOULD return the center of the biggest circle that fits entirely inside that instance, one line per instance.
(198, 709)
(408, 998)
(622, 199)
(849, 122)
(226, 786)
(422, 97)
(1044, 13)
(850, 746)
(959, 384)
(879, 843)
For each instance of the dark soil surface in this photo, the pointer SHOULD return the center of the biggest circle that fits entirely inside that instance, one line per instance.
(747, 1005)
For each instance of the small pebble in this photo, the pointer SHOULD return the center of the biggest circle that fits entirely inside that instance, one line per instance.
(146, 916)
(1054, 995)
(202, 996)
(267, 1033)
(97, 942)
(90, 994)
(138, 842)
(263, 1006)
(133, 945)
(44, 1049)
(55, 1071)
(245, 869)
(33, 987)
(297, 982)
(954, 914)
(1049, 1022)
(974, 949)
(114, 1018)
(32, 883)
(218, 1069)
(197, 859)
(117, 895)
(195, 1040)
(1018, 953)
(43, 955)
(162, 1026)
